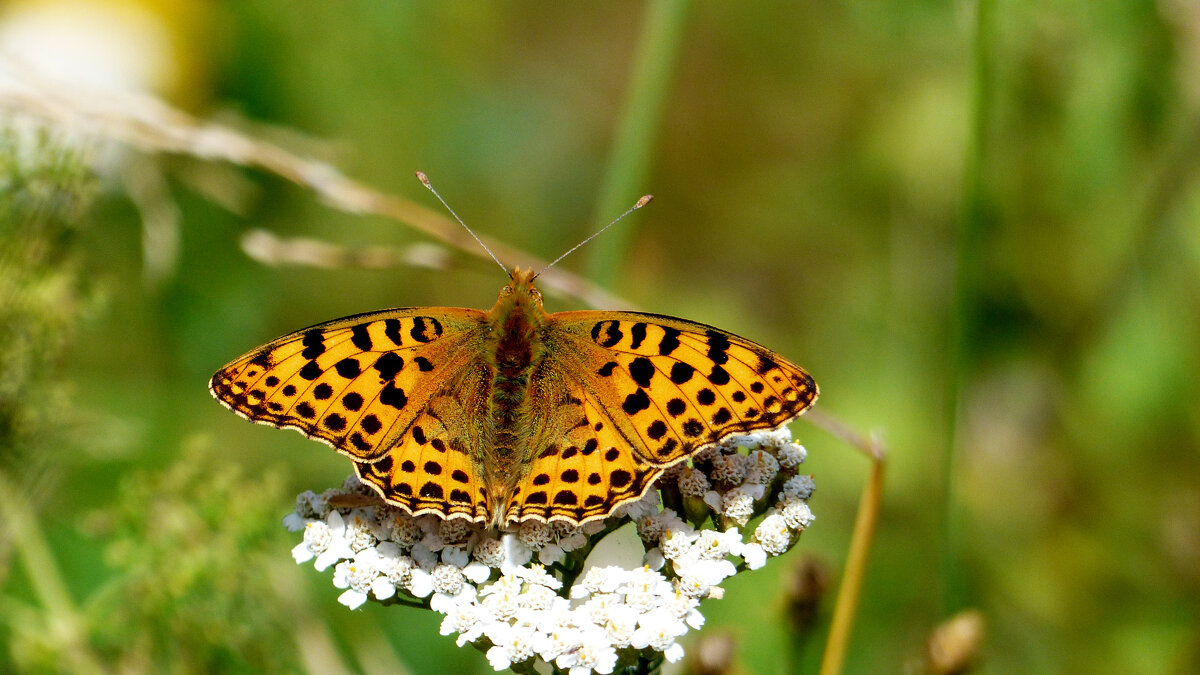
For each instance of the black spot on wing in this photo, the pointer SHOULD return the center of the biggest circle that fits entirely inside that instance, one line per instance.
(676, 407)
(606, 333)
(389, 365)
(636, 402)
(335, 422)
(718, 376)
(391, 328)
(638, 333)
(681, 372)
(314, 343)
(669, 342)
(371, 424)
(348, 368)
(360, 337)
(657, 429)
(393, 396)
(310, 371)
(425, 329)
(718, 347)
(642, 370)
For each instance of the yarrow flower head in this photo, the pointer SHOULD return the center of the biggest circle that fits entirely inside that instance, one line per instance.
(532, 594)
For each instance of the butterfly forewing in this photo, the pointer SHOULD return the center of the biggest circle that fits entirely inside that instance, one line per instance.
(683, 385)
(355, 383)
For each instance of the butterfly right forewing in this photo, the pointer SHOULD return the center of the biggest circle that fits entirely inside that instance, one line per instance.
(356, 383)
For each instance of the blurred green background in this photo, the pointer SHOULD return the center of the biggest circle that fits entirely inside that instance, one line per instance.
(976, 225)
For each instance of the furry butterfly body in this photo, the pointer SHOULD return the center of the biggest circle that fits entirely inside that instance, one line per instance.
(514, 414)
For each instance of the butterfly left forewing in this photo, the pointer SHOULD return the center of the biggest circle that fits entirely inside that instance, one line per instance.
(677, 386)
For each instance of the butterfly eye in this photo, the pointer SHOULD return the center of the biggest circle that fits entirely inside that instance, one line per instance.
(535, 294)
(506, 291)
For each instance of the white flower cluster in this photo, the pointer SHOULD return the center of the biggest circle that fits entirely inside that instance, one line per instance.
(580, 617)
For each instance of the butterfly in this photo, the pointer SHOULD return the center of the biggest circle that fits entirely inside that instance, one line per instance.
(514, 414)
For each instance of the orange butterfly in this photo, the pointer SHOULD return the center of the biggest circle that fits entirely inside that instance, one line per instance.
(514, 414)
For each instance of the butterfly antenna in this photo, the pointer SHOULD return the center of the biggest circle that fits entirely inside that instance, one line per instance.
(640, 203)
(425, 181)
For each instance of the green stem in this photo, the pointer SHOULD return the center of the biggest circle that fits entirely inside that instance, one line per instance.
(629, 163)
(977, 218)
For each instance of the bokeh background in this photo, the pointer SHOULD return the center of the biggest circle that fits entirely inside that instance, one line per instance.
(976, 223)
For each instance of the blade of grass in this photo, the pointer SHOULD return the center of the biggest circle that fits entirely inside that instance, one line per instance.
(978, 217)
(630, 160)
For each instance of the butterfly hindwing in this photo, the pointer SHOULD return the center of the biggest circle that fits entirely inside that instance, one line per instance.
(583, 466)
(357, 383)
(429, 468)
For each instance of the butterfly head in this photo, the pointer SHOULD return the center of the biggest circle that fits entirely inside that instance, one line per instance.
(520, 291)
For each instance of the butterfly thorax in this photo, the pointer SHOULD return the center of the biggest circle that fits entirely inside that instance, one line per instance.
(515, 350)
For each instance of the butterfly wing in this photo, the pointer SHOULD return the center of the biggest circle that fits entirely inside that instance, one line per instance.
(393, 390)
(636, 393)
